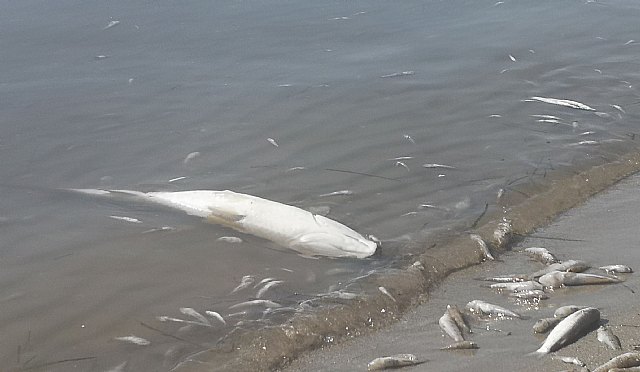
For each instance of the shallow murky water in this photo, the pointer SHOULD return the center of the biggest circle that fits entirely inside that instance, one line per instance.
(182, 96)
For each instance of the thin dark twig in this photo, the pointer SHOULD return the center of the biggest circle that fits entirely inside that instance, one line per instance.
(361, 174)
(170, 335)
(59, 362)
(475, 223)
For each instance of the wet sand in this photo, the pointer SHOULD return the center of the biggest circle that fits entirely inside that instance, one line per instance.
(603, 231)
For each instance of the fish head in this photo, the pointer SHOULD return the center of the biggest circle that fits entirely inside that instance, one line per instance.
(333, 245)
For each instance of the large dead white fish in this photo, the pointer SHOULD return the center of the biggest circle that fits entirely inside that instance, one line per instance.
(557, 279)
(570, 329)
(285, 225)
(564, 102)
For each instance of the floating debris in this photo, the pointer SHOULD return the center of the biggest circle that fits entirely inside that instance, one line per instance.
(229, 239)
(570, 329)
(394, 361)
(564, 102)
(127, 219)
(398, 74)
(134, 340)
(435, 165)
(408, 138)
(606, 336)
(272, 141)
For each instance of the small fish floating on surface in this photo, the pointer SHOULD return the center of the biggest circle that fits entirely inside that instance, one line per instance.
(246, 282)
(564, 102)
(607, 337)
(393, 361)
(134, 340)
(485, 308)
(126, 219)
(230, 239)
(626, 360)
(570, 329)
(267, 286)
(435, 166)
(273, 142)
(397, 74)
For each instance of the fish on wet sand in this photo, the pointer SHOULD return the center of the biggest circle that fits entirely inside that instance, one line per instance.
(557, 279)
(570, 329)
(393, 361)
(606, 336)
(530, 294)
(517, 286)
(615, 269)
(545, 324)
(485, 308)
(461, 345)
(483, 246)
(541, 254)
(626, 360)
(458, 317)
(564, 311)
(569, 360)
(450, 327)
(575, 266)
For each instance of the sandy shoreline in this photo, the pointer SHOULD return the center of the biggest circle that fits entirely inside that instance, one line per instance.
(602, 231)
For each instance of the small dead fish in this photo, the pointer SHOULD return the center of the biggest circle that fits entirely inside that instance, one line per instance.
(557, 279)
(164, 318)
(565, 311)
(461, 345)
(386, 293)
(134, 340)
(397, 74)
(587, 142)
(267, 286)
(517, 286)
(626, 360)
(450, 327)
(483, 246)
(393, 361)
(569, 360)
(229, 239)
(435, 165)
(617, 107)
(570, 329)
(401, 158)
(512, 58)
(246, 281)
(215, 314)
(564, 102)
(272, 141)
(575, 266)
(194, 314)
(607, 337)
(264, 303)
(485, 308)
(402, 164)
(191, 156)
(545, 324)
(616, 269)
(111, 24)
(408, 138)
(336, 193)
(177, 179)
(264, 281)
(506, 279)
(457, 317)
(127, 219)
(541, 254)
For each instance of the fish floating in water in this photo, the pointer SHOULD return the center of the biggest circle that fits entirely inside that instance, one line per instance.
(285, 225)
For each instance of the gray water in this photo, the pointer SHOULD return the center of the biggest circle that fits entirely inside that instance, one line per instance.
(185, 95)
